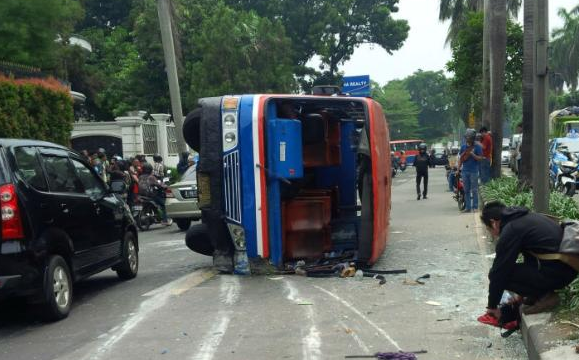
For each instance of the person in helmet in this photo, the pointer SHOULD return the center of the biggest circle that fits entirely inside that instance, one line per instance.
(158, 167)
(470, 155)
(151, 187)
(422, 162)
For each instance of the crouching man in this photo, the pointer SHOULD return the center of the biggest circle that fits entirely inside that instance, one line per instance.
(523, 232)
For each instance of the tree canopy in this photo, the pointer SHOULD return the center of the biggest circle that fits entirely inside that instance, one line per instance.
(467, 61)
(400, 110)
(222, 46)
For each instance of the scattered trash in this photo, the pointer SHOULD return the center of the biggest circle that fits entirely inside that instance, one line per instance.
(348, 330)
(276, 278)
(570, 323)
(425, 276)
(164, 351)
(447, 319)
(359, 274)
(433, 303)
(348, 272)
(484, 237)
(491, 256)
(377, 277)
(401, 355)
(185, 334)
(411, 282)
(490, 345)
(577, 349)
(397, 232)
(305, 303)
(387, 272)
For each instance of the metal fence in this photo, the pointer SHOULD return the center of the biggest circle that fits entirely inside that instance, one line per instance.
(150, 142)
(172, 139)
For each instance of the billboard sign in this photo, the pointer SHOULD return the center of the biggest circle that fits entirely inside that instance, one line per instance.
(357, 85)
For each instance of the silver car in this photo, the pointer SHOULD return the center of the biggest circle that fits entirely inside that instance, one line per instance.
(181, 202)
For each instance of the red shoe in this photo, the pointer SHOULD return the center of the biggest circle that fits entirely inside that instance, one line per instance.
(488, 319)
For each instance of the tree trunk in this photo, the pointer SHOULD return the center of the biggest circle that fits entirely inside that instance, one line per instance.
(525, 173)
(486, 62)
(498, 50)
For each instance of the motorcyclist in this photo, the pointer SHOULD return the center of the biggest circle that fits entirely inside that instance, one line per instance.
(395, 160)
(422, 162)
(158, 167)
(151, 187)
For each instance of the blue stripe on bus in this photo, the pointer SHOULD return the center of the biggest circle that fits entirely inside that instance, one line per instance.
(247, 174)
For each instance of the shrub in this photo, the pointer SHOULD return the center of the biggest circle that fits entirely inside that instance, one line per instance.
(35, 109)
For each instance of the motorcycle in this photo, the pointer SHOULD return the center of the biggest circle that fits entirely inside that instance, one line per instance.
(563, 176)
(402, 166)
(146, 212)
(459, 191)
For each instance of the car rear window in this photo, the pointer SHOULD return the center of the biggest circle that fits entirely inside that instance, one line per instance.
(29, 167)
(2, 169)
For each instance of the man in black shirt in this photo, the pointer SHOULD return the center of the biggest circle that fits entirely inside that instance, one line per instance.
(521, 231)
(421, 163)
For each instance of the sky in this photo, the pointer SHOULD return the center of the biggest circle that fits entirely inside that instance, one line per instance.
(425, 46)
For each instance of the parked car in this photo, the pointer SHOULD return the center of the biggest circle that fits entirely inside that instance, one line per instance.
(60, 224)
(181, 200)
(506, 155)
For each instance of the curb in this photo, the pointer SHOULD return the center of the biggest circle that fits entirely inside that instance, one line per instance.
(535, 333)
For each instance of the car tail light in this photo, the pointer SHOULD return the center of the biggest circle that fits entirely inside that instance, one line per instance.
(169, 193)
(11, 220)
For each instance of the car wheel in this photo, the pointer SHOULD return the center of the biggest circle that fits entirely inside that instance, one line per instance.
(57, 289)
(129, 266)
(183, 224)
(570, 189)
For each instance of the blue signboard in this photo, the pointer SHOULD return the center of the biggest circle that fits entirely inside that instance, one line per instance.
(357, 85)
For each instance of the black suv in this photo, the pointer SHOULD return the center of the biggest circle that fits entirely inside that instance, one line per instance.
(60, 223)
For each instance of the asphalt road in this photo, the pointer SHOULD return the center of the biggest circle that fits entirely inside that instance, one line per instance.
(177, 308)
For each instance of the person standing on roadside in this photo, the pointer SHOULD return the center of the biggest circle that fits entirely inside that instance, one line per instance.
(422, 162)
(487, 151)
(470, 155)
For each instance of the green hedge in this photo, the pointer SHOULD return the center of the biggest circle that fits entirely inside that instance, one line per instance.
(508, 191)
(35, 109)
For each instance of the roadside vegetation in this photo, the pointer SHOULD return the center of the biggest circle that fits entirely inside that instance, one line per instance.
(35, 109)
(508, 190)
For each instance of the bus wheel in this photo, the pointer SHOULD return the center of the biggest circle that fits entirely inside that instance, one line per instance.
(197, 239)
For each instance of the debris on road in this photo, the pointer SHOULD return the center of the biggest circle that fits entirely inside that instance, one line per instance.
(433, 303)
(401, 355)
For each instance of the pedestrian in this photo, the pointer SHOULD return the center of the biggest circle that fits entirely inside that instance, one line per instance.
(487, 148)
(422, 162)
(183, 163)
(104, 166)
(468, 165)
(151, 187)
(158, 167)
(523, 232)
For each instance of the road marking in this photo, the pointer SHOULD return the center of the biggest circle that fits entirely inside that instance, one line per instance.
(229, 294)
(311, 341)
(357, 339)
(157, 300)
(182, 284)
(364, 317)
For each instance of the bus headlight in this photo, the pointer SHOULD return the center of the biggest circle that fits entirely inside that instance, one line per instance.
(229, 137)
(238, 235)
(229, 120)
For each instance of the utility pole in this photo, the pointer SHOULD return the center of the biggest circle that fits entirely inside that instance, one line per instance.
(540, 109)
(171, 68)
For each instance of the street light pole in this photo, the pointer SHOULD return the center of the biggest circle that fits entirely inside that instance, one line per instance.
(540, 107)
(171, 68)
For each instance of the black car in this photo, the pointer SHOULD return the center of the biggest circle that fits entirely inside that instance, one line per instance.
(60, 224)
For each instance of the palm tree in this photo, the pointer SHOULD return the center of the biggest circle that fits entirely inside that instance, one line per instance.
(498, 57)
(456, 11)
(525, 170)
(565, 47)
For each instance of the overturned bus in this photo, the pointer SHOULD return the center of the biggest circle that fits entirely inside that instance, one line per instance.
(282, 178)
